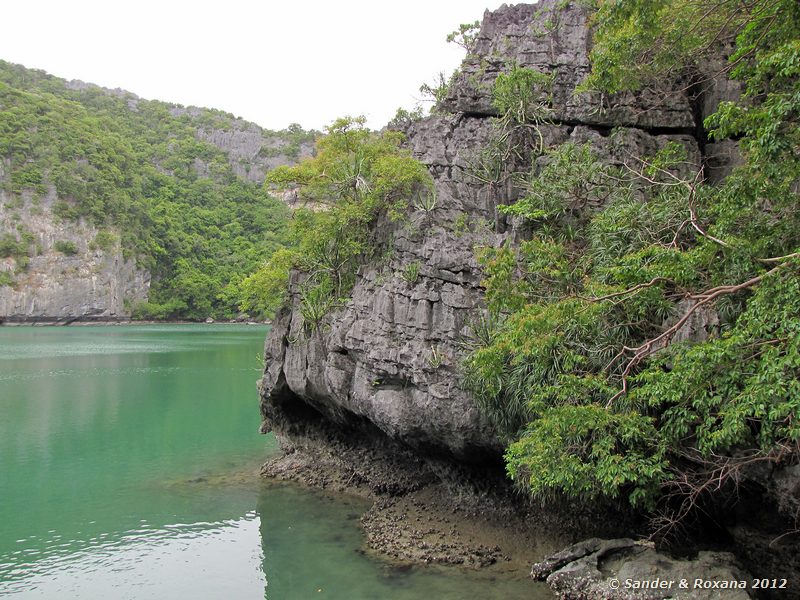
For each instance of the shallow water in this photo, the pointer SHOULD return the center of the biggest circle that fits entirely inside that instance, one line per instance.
(128, 469)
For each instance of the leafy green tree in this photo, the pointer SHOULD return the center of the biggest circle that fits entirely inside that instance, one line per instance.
(356, 179)
(586, 371)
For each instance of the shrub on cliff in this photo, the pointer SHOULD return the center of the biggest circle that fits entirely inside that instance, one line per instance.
(356, 179)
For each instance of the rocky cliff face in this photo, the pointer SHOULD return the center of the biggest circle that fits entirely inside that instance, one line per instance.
(383, 369)
(390, 356)
(59, 269)
(68, 275)
(252, 151)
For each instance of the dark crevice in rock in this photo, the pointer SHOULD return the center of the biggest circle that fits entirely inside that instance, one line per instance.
(392, 383)
(697, 99)
(472, 115)
(607, 130)
(603, 130)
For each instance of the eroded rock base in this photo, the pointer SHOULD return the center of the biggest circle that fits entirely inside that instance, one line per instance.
(430, 510)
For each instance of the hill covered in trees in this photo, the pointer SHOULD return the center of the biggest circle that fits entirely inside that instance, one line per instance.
(177, 189)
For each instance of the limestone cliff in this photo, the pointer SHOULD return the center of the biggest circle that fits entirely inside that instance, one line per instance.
(390, 356)
(97, 187)
(80, 281)
(382, 371)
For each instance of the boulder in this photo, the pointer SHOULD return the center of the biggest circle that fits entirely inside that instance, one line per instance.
(622, 569)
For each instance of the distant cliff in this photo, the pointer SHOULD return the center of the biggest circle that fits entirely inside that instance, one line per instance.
(111, 205)
(80, 281)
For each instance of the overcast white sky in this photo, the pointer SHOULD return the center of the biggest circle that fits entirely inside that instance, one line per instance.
(270, 62)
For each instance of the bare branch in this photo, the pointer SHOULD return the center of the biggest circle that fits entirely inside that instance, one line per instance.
(639, 353)
(632, 290)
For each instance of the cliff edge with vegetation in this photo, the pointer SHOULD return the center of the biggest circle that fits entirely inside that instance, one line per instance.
(596, 285)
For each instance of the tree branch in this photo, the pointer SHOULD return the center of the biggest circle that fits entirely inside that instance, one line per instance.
(639, 353)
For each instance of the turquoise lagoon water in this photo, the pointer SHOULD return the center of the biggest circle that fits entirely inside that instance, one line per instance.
(129, 463)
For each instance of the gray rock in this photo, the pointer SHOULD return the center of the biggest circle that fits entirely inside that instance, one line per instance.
(94, 283)
(621, 569)
(252, 151)
(554, 38)
(390, 356)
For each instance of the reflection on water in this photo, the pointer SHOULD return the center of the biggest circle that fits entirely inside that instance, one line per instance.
(212, 560)
(128, 469)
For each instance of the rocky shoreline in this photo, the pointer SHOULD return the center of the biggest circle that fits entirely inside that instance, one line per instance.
(88, 321)
(426, 525)
(425, 513)
(432, 511)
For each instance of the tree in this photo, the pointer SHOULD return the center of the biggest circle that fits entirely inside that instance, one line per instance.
(585, 373)
(356, 179)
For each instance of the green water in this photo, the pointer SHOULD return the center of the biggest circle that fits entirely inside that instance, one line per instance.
(128, 469)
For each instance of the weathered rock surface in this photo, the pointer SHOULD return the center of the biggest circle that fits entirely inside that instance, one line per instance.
(621, 569)
(390, 356)
(93, 283)
(252, 151)
(554, 38)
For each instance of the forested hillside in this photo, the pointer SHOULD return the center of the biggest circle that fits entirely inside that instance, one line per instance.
(179, 188)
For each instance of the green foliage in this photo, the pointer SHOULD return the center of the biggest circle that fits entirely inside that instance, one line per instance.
(411, 272)
(316, 301)
(403, 118)
(465, 35)
(142, 169)
(18, 246)
(567, 305)
(170, 310)
(290, 142)
(571, 180)
(6, 278)
(264, 291)
(741, 390)
(11, 246)
(437, 358)
(437, 91)
(523, 95)
(522, 98)
(104, 240)
(586, 451)
(68, 248)
(356, 179)
(581, 372)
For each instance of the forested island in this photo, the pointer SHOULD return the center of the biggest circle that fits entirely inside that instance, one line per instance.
(164, 202)
(566, 301)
